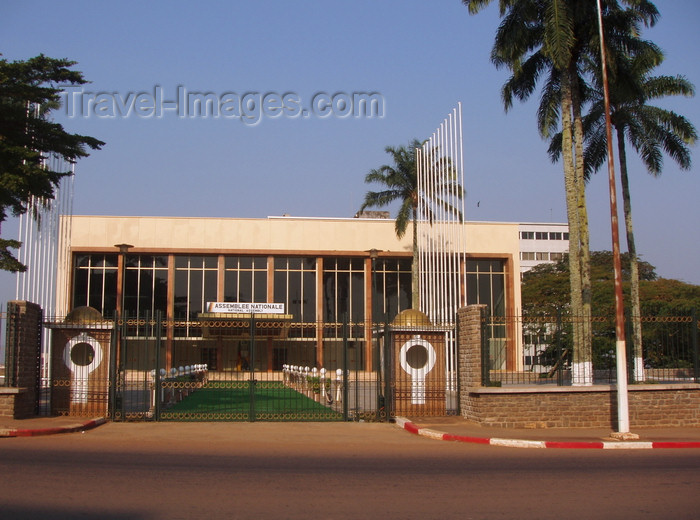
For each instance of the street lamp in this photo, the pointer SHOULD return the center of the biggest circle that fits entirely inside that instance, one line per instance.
(373, 254)
(115, 397)
(123, 249)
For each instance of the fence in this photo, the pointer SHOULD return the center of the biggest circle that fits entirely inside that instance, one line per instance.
(544, 351)
(242, 368)
(247, 368)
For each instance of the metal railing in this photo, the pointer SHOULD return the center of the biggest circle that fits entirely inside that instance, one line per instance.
(544, 351)
(150, 364)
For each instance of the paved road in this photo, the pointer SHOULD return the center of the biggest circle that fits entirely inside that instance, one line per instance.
(334, 470)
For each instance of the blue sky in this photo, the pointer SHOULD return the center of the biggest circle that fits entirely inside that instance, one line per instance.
(422, 57)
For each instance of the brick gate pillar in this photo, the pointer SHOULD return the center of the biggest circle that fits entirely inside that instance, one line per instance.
(19, 398)
(469, 357)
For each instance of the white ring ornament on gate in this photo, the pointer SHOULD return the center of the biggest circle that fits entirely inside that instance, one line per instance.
(417, 358)
(80, 370)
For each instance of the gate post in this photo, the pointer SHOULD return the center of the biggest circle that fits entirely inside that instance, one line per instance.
(251, 382)
(388, 375)
(113, 372)
(469, 354)
(23, 360)
(345, 367)
(418, 365)
(157, 376)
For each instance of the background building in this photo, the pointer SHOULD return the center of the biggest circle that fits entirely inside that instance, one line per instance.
(542, 243)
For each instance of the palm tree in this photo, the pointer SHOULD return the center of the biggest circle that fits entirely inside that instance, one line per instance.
(649, 129)
(554, 39)
(401, 183)
(536, 39)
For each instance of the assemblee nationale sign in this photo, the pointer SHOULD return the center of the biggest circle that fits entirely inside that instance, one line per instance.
(246, 308)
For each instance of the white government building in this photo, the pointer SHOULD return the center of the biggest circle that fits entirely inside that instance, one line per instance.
(321, 269)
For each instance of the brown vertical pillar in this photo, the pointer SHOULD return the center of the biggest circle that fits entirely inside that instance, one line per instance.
(469, 357)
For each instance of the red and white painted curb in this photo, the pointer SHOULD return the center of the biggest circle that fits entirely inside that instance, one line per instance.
(35, 432)
(519, 443)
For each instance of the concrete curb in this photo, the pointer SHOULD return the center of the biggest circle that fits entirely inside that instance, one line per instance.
(407, 425)
(16, 432)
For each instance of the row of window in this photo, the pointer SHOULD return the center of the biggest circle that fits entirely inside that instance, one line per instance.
(543, 235)
(245, 279)
(296, 281)
(541, 256)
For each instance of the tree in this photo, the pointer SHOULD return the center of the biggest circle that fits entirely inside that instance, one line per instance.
(666, 308)
(544, 290)
(649, 129)
(536, 39)
(401, 183)
(554, 39)
(29, 90)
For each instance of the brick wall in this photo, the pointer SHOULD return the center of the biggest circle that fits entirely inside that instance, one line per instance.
(655, 407)
(469, 355)
(7, 403)
(16, 403)
(583, 407)
(562, 407)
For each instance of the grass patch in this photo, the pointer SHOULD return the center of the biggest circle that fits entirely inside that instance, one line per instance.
(231, 401)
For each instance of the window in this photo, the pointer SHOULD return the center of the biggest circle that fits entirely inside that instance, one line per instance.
(295, 286)
(556, 257)
(95, 282)
(527, 255)
(245, 279)
(343, 289)
(486, 284)
(555, 236)
(393, 287)
(541, 235)
(195, 285)
(145, 285)
(542, 256)
(527, 235)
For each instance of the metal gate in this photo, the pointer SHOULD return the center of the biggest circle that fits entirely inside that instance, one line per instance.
(243, 368)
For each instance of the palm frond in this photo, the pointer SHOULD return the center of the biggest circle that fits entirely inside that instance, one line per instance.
(559, 37)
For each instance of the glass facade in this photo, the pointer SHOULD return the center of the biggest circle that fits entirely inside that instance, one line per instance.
(319, 292)
(295, 286)
(145, 285)
(486, 285)
(95, 282)
(392, 287)
(195, 285)
(245, 279)
(343, 289)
